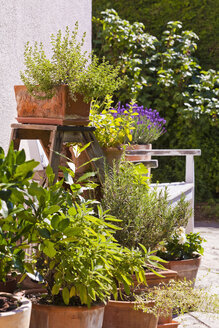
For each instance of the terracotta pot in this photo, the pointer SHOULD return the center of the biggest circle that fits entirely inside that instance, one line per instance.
(130, 157)
(172, 324)
(153, 280)
(119, 314)
(51, 316)
(18, 318)
(186, 269)
(59, 110)
(113, 154)
(9, 286)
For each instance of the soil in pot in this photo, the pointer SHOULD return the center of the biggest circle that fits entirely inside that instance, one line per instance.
(15, 311)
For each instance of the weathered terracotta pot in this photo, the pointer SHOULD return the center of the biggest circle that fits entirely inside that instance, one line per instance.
(113, 154)
(61, 109)
(18, 318)
(172, 324)
(119, 314)
(131, 157)
(51, 316)
(153, 280)
(186, 269)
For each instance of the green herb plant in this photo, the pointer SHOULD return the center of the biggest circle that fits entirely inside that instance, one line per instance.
(177, 297)
(145, 214)
(111, 131)
(69, 65)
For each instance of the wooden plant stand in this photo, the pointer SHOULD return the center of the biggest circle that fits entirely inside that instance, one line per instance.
(52, 138)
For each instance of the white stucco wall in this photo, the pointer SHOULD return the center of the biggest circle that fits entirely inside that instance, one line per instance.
(31, 20)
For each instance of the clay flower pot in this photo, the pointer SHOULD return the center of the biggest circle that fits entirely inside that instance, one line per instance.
(19, 317)
(113, 154)
(52, 316)
(9, 286)
(153, 280)
(120, 314)
(138, 157)
(172, 324)
(186, 269)
(61, 109)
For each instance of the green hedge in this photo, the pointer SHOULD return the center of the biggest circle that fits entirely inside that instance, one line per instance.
(202, 17)
(164, 74)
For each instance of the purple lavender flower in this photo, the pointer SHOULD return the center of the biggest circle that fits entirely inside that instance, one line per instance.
(148, 125)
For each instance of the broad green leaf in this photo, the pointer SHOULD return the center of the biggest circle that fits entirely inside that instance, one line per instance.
(65, 295)
(49, 249)
(55, 289)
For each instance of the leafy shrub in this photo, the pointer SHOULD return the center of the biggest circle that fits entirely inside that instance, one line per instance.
(197, 16)
(145, 215)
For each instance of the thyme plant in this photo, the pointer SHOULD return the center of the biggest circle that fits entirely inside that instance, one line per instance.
(69, 65)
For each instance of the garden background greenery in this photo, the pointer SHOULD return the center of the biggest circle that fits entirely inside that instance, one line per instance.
(171, 67)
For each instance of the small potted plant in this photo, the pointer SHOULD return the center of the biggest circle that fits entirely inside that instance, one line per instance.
(59, 90)
(111, 131)
(183, 253)
(176, 297)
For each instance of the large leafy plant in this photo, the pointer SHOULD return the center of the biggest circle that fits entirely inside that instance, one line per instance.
(69, 65)
(77, 256)
(15, 175)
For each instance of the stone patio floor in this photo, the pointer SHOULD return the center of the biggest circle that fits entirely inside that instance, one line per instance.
(208, 276)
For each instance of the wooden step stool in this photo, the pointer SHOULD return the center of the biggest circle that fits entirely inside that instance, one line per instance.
(52, 138)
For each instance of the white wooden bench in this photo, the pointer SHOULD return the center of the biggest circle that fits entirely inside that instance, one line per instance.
(176, 189)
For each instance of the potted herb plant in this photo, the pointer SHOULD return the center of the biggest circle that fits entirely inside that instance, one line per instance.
(176, 297)
(111, 131)
(183, 253)
(59, 90)
(77, 256)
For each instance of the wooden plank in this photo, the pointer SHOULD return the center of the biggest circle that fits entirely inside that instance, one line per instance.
(152, 163)
(56, 140)
(166, 152)
(40, 127)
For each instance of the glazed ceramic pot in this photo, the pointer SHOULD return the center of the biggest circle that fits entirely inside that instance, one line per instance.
(121, 314)
(19, 317)
(52, 316)
(61, 109)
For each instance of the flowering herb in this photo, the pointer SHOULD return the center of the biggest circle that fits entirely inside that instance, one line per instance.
(112, 130)
(148, 126)
(181, 246)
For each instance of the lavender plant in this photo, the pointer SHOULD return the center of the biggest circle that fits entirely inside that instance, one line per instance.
(148, 126)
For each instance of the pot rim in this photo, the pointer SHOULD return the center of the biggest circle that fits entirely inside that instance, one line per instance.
(25, 305)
